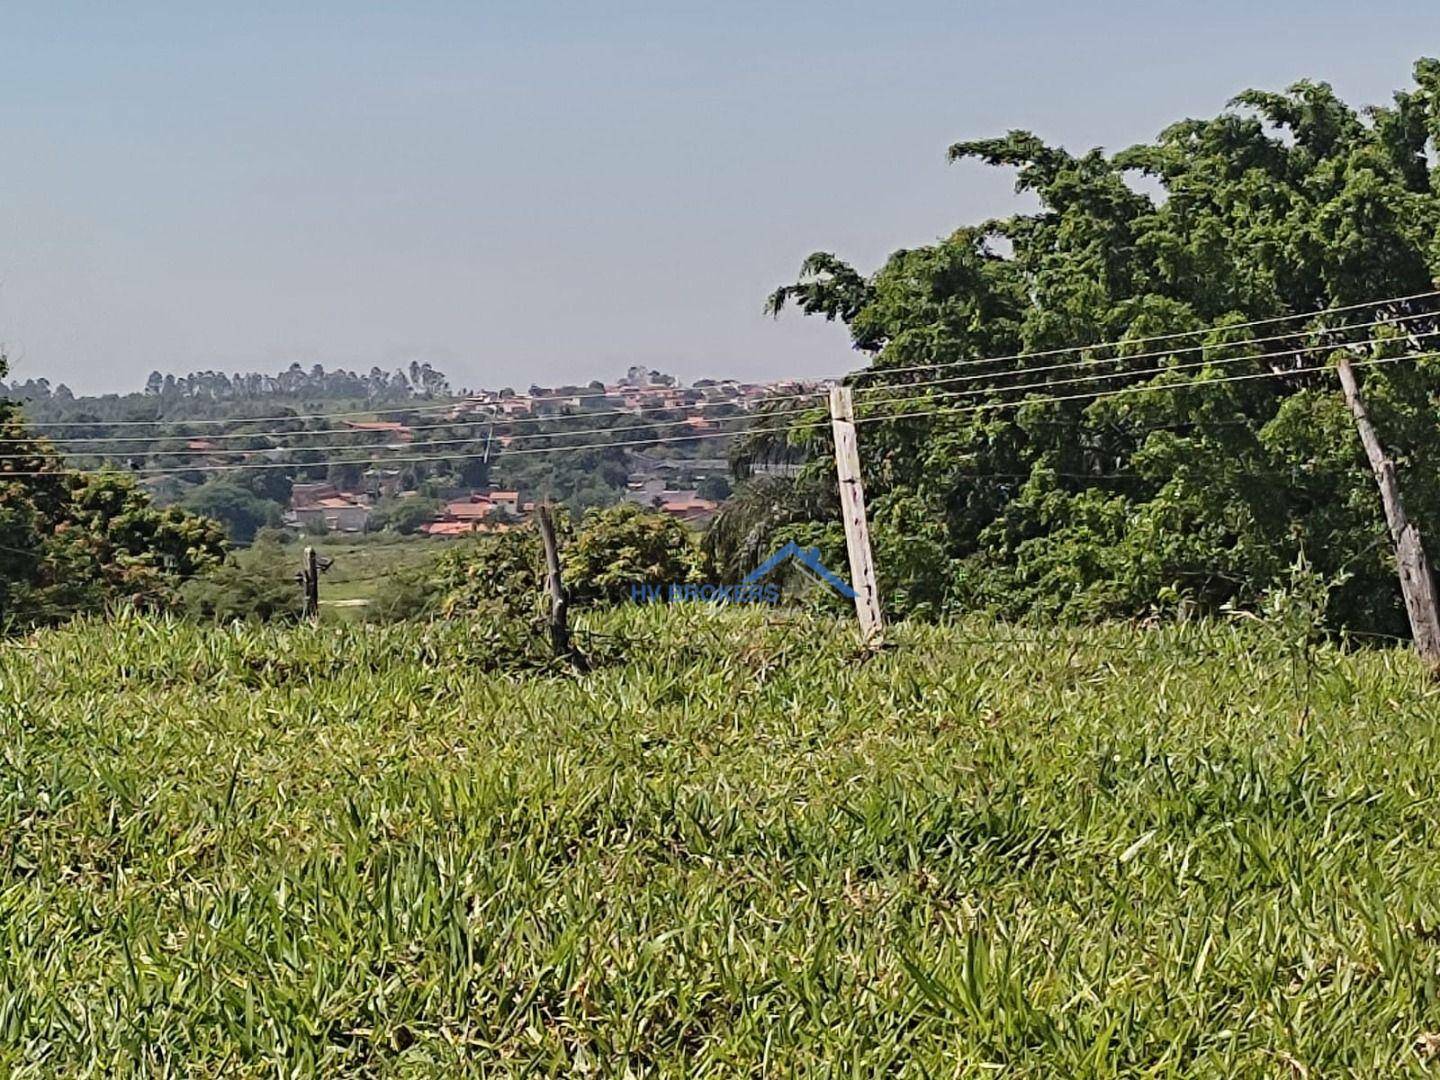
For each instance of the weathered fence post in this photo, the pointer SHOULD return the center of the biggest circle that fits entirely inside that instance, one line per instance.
(310, 582)
(559, 602)
(1417, 578)
(852, 508)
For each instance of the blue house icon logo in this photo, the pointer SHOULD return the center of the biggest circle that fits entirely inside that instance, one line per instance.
(809, 558)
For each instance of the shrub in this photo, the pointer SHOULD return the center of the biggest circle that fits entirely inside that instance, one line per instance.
(241, 511)
(254, 588)
(72, 542)
(500, 572)
(626, 546)
(411, 593)
(405, 516)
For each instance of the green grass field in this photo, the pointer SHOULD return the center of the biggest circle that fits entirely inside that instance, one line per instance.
(366, 851)
(363, 565)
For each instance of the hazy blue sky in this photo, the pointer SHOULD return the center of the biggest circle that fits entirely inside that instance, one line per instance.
(544, 190)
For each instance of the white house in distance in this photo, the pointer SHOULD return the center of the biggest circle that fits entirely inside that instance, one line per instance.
(337, 514)
(316, 505)
(509, 501)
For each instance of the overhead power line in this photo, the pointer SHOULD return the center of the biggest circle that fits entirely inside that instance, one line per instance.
(247, 465)
(377, 408)
(378, 447)
(1124, 390)
(874, 374)
(1089, 361)
(1147, 340)
(382, 448)
(1037, 354)
(1160, 370)
(492, 420)
(789, 428)
(371, 411)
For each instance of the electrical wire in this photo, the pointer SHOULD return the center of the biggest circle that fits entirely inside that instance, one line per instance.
(1114, 343)
(1047, 383)
(1174, 352)
(876, 373)
(378, 408)
(748, 417)
(480, 420)
(1165, 370)
(786, 429)
(1122, 391)
(1176, 335)
(242, 466)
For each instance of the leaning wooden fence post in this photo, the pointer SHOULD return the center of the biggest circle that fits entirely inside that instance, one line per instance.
(852, 508)
(1417, 579)
(559, 602)
(310, 582)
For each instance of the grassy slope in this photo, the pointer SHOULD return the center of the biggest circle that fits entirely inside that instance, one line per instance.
(351, 850)
(362, 566)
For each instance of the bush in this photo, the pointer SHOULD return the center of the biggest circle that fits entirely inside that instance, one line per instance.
(715, 488)
(253, 588)
(625, 546)
(275, 535)
(72, 542)
(405, 516)
(241, 511)
(412, 593)
(501, 572)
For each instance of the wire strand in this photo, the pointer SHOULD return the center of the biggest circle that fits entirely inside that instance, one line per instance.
(4, 474)
(1064, 350)
(1176, 335)
(1170, 352)
(478, 421)
(873, 373)
(1164, 370)
(748, 417)
(790, 428)
(1195, 385)
(377, 408)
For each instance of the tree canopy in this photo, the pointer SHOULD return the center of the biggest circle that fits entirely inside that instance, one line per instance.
(1194, 488)
(72, 541)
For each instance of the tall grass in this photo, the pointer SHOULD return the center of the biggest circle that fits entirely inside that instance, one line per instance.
(378, 851)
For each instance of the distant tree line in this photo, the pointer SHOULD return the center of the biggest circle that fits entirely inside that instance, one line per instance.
(419, 380)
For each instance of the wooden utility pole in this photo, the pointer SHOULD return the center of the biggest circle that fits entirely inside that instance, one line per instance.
(852, 508)
(559, 602)
(310, 582)
(1417, 579)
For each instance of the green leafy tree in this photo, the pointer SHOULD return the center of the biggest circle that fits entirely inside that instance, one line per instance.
(501, 573)
(1191, 489)
(716, 488)
(240, 510)
(258, 586)
(405, 516)
(74, 542)
(624, 546)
